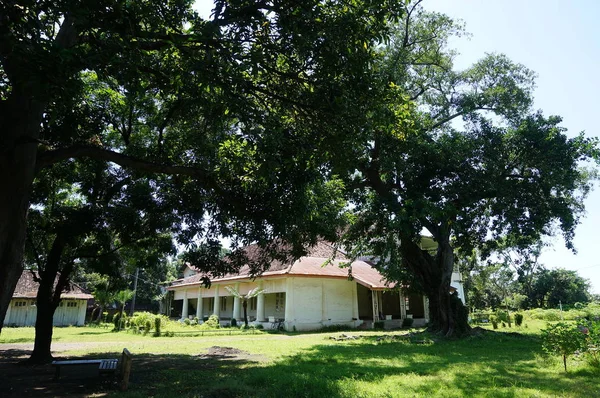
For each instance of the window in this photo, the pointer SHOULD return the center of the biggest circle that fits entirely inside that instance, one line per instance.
(72, 304)
(253, 301)
(223, 303)
(20, 303)
(279, 301)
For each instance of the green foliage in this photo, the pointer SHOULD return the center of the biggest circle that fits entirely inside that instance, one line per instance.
(379, 325)
(407, 322)
(233, 322)
(591, 329)
(492, 179)
(142, 319)
(494, 320)
(157, 326)
(518, 319)
(119, 320)
(187, 322)
(564, 339)
(211, 323)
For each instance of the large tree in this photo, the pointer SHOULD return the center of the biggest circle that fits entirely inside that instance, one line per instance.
(87, 215)
(460, 155)
(264, 87)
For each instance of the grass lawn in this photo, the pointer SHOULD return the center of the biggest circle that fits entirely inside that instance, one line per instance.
(378, 364)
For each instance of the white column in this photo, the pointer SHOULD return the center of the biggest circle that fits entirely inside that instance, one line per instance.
(374, 305)
(184, 311)
(217, 304)
(199, 305)
(426, 308)
(355, 301)
(236, 305)
(260, 305)
(402, 305)
(289, 303)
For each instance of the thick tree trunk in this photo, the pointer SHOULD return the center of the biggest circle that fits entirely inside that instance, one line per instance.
(20, 117)
(43, 327)
(245, 306)
(47, 300)
(447, 315)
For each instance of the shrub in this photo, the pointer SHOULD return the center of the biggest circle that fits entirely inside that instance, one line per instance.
(142, 319)
(564, 339)
(157, 322)
(233, 322)
(407, 322)
(259, 326)
(591, 329)
(211, 323)
(378, 325)
(187, 321)
(494, 321)
(518, 319)
(120, 322)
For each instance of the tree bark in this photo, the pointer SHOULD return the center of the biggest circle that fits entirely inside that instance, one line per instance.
(48, 299)
(20, 117)
(447, 315)
(245, 306)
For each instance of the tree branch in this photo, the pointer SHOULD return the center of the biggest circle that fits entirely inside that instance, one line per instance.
(48, 158)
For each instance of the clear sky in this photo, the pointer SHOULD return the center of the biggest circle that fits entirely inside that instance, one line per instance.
(560, 41)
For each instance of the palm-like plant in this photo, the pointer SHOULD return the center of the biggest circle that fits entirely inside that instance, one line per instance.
(244, 297)
(103, 297)
(122, 297)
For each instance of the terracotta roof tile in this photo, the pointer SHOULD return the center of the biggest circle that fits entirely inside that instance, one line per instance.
(27, 287)
(310, 265)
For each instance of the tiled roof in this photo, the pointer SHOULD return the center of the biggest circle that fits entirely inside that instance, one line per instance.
(311, 265)
(27, 287)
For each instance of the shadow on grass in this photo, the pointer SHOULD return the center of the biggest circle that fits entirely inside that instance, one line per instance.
(494, 365)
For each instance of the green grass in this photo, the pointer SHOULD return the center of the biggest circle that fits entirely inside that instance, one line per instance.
(497, 364)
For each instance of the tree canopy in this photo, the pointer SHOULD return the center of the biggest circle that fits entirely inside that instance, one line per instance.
(461, 155)
(229, 119)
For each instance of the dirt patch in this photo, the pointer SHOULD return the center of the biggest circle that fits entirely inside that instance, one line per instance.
(230, 353)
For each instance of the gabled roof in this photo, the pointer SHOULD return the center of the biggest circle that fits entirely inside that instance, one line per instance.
(323, 260)
(27, 287)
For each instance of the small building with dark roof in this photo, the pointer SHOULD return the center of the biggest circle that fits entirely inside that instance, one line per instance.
(22, 310)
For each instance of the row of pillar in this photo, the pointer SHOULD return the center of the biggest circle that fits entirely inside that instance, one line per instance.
(237, 305)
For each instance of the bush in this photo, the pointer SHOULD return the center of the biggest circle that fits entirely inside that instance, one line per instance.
(211, 323)
(142, 319)
(378, 325)
(494, 321)
(591, 329)
(518, 319)
(187, 321)
(259, 326)
(119, 322)
(157, 322)
(407, 322)
(564, 339)
(233, 322)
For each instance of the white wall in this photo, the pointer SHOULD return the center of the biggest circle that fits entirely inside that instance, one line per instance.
(69, 312)
(318, 302)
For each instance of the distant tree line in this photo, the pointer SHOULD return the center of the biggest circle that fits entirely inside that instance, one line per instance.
(518, 281)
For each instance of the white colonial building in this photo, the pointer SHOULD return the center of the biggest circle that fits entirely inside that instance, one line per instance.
(307, 294)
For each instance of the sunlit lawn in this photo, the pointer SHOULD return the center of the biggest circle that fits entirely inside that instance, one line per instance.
(313, 365)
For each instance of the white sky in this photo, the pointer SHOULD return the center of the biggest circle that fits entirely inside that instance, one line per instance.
(560, 41)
